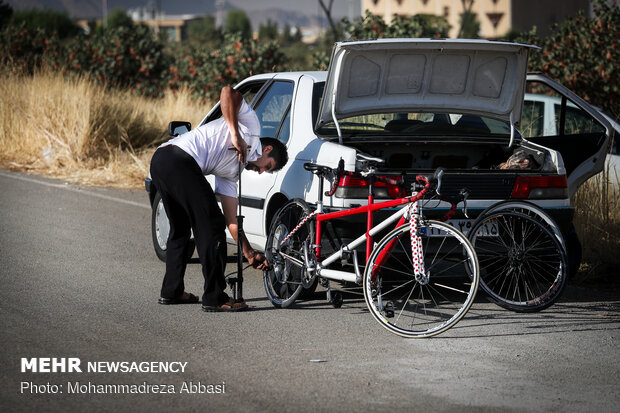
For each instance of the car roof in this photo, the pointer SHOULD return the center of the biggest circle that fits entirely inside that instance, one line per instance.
(317, 76)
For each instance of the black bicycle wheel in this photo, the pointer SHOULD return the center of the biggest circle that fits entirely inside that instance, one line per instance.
(522, 264)
(283, 282)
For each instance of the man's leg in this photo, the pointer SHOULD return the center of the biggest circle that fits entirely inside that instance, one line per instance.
(188, 188)
(173, 285)
(167, 175)
(208, 224)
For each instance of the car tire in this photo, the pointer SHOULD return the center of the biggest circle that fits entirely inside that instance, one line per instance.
(160, 228)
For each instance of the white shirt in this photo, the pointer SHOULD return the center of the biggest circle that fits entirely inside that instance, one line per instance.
(209, 145)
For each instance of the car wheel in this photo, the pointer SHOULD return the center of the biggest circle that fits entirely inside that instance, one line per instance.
(160, 229)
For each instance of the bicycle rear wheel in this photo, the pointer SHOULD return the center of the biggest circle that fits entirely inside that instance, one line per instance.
(523, 265)
(283, 282)
(421, 308)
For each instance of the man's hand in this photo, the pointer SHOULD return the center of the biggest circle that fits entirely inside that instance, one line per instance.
(258, 261)
(241, 146)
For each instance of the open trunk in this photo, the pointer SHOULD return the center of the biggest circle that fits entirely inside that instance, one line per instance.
(467, 163)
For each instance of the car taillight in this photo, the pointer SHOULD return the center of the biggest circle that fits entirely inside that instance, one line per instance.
(540, 187)
(356, 187)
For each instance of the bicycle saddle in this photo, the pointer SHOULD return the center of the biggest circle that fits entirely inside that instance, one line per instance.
(317, 169)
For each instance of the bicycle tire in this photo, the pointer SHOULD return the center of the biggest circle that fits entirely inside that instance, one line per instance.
(529, 209)
(523, 267)
(408, 307)
(568, 240)
(283, 281)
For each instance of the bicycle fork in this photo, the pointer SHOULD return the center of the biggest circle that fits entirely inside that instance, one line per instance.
(417, 253)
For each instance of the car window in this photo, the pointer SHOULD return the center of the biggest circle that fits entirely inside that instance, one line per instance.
(532, 118)
(548, 113)
(414, 123)
(566, 127)
(273, 107)
(577, 121)
(247, 90)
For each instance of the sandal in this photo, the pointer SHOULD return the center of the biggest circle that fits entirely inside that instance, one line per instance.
(229, 306)
(185, 298)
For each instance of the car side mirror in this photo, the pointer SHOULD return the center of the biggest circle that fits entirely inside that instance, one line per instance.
(176, 128)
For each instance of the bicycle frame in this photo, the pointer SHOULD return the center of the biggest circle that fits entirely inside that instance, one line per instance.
(321, 217)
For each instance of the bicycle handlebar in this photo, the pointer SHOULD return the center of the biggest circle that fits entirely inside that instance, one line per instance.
(337, 173)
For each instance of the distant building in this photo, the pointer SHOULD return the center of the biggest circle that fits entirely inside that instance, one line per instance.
(172, 26)
(496, 17)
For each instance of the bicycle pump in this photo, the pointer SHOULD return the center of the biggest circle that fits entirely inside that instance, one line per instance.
(236, 284)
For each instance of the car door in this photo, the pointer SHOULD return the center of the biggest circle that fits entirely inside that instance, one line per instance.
(556, 118)
(273, 108)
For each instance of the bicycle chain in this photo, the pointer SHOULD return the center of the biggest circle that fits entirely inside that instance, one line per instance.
(301, 223)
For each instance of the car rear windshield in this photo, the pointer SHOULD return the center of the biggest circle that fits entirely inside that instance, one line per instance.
(418, 124)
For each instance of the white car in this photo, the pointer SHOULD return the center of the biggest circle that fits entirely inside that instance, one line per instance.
(417, 104)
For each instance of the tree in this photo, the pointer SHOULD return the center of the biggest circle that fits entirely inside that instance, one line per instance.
(268, 31)
(237, 22)
(118, 18)
(470, 26)
(46, 20)
(328, 13)
(433, 25)
(203, 31)
(6, 11)
(582, 54)
(371, 26)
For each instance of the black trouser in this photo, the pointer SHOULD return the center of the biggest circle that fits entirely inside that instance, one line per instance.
(190, 204)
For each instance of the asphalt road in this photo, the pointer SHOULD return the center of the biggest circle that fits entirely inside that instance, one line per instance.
(80, 280)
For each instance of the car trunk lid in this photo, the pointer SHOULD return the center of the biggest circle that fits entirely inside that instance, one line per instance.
(476, 77)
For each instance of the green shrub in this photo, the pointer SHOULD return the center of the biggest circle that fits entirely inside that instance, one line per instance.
(126, 57)
(25, 50)
(582, 54)
(372, 26)
(206, 72)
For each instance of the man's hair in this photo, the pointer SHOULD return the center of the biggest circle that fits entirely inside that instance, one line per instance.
(278, 152)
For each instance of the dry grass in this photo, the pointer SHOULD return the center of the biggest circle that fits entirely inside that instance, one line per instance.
(75, 130)
(597, 221)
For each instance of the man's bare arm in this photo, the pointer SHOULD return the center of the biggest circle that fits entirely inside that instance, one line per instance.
(230, 103)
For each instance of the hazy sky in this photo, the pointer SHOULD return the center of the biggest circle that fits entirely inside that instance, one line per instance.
(340, 8)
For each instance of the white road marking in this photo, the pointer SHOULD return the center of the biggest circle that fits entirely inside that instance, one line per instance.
(72, 189)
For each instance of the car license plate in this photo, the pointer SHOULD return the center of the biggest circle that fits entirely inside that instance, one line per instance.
(464, 225)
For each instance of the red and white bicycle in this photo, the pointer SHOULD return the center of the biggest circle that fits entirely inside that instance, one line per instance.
(419, 280)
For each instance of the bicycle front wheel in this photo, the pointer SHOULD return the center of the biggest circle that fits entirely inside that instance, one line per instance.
(424, 306)
(522, 264)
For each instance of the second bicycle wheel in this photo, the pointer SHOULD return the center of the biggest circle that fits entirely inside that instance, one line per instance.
(522, 264)
(283, 282)
(426, 306)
